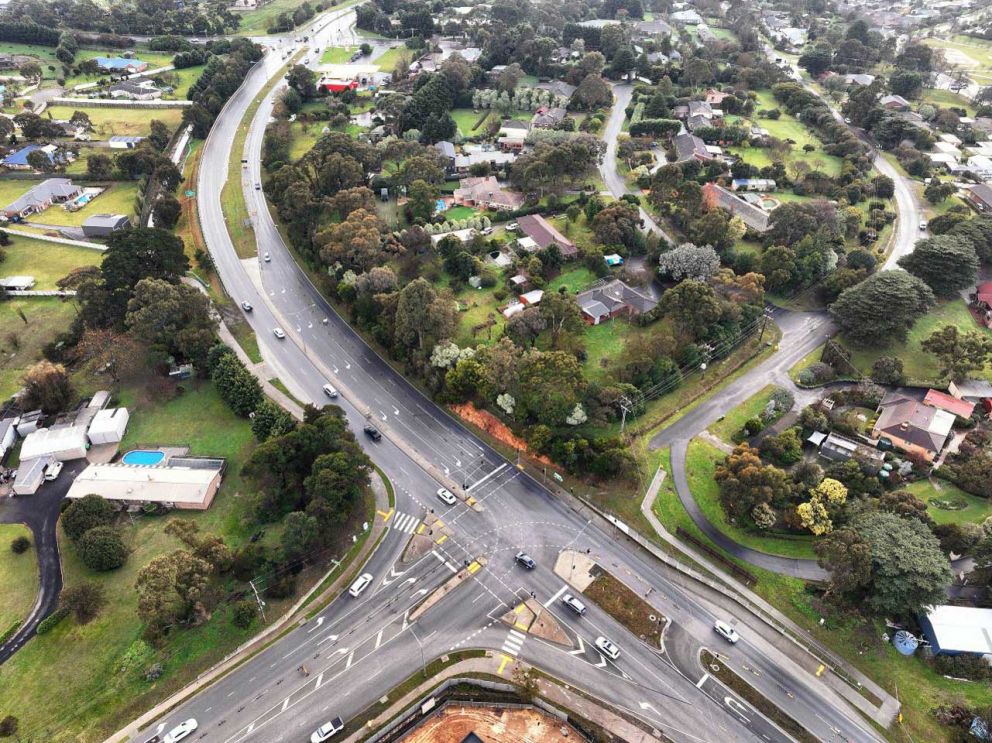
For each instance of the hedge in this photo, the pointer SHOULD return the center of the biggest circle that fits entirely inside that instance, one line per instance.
(52, 620)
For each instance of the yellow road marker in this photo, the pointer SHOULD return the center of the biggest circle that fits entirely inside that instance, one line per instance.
(820, 670)
(443, 538)
(523, 627)
(519, 609)
(502, 664)
(385, 514)
(473, 568)
(420, 529)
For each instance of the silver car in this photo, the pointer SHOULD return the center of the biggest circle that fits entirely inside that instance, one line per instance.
(725, 631)
(180, 731)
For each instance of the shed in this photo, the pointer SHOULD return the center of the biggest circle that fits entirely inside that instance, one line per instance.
(17, 283)
(101, 225)
(613, 259)
(124, 142)
(63, 443)
(29, 422)
(30, 476)
(8, 435)
(532, 297)
(108, 426)
(817, 438)
(958, 630)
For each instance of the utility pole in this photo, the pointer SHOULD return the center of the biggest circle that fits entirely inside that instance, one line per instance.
(261, 604)
(764, 323)
(626, 406)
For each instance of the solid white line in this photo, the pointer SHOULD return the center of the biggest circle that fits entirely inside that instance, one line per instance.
(702, 681)
(351, 657)
(555, 597)
(319, 679)
(251, 727)
(450, 567)
(477, 483)
(285, 703)
(441, 557)
(378, 638)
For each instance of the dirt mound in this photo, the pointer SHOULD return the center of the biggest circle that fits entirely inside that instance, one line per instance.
(496, 428)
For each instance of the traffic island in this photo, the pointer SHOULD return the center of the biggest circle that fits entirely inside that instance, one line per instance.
(534, 619)
(430, 533)
(439, 593)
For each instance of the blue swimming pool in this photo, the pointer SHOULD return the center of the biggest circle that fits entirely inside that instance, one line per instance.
(143, 456)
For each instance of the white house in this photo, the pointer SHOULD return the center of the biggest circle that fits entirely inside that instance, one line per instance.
(108, 426)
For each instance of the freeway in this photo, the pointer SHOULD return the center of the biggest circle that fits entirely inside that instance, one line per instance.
(357, 649)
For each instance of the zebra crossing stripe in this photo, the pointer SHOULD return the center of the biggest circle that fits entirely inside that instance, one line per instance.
(405, 523)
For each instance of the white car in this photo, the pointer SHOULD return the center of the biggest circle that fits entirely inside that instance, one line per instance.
(327, 730)
(246, 306)
(266, 257)
(330, 391)
(607, 648)
(574, 604)
(447, 496)
(180, 731)
(923, 226)
(725, 631)
(53, 470)
(360, 584)
(279, 333)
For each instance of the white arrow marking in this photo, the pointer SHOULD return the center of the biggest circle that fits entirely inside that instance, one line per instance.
(396, 411)
(447, 471)
(581, 650)
(421, 592)
(648, 705)
(320, 621)
(160, 728)
(378, 638)
(319, 679)
(458, 463)
(602, 661)
(350, 659)
(334, 368)
(405, 622)
(347, 365)
(410, 580)
(329, 638)
(383, 415)
(736, 707)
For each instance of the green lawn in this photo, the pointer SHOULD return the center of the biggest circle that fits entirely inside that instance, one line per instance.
(733, 422)
(388, 59)
(459, 212)
(27, 325)
(337, 54)
(805, 362)
(46, 261)
(183, 81)
(701, 463)
(466, 118)
(481, 306)
(154, 60)
(18, 576)
(575, 280)
(918, 365)
(947, 503)
(108, 122)
(947, 99)
(119, 198)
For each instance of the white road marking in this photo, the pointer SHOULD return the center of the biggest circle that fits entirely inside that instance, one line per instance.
(477, 483)
(581, 649)
(378, 638)
(285, 704)
(555, 597)
(702, 681)
(319, 679)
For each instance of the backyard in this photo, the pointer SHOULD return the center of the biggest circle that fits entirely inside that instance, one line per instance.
(18, 576)
(948, 504)
(109, 122)
(46, 261)
(118, 198)
(28, 325)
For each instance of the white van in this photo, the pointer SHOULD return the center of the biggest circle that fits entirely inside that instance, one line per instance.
(330, 391)
(52, 470)
(360, 584)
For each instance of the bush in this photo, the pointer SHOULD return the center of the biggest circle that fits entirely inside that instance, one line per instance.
(753, 427)
(9, 632)
(20, 545)
(963, 666)
(84, 514)
(817, 373)
(101, 548)
(84, 601)
(887, 370)
(243, 614)
(51, 621)
(8, 726)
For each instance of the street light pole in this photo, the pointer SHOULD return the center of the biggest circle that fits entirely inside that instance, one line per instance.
(423, 659)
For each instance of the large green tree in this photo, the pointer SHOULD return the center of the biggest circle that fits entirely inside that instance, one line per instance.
(171, 319)
(882, 308)
(423, 317)
(693, 307)
(136, 254)
(960, 353)
(946, 263)
(83, 514)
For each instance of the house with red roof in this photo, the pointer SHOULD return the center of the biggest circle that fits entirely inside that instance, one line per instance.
(943, 401)
(981, 301)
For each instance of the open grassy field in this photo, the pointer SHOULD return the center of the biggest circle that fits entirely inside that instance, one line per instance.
(947, 99)
(337, 54)
(46, 261)
(466, 118)
(918, 365)
(18, 576)
(968, 53)
(183, 81)
(575, 280)
(734, 421)
(108, 122)
(27, 325)
(388, 59)
(947, 503)
(119, 198)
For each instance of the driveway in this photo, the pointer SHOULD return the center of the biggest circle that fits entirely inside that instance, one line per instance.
(40, 513)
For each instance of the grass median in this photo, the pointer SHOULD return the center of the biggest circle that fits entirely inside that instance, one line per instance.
(620, 602)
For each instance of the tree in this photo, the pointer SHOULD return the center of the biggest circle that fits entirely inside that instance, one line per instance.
(947, 264)
(593, 92)
(47, 386)
(524, 327)
(299, 536)
(166, 211)
(121, 355)
(101, 548)
(236, 385)
(689, 262)
(169, 586)
(40, 160)
(617, 224)
(887, 370)
(303, 80)
(509, 77)
(83, 514)
(745, 481)
(882, 308)
(84, 600)
(271, 420)
(19, 545)
(243, 614)
(905, 505)
(136, 254)
(816, 60)
(906, 83)
(784, 448)
(171, 319)
(562, 316)
(422, 316)
(548, 386)
(959, 353)
(422, 197)
(356, 242)
(693, 307)
(847, 557)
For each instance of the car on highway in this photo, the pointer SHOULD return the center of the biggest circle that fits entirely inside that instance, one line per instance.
(279, 333)
(258, 186)
(373, 433)
(725, 631)
(923, 226)
(330, 391)
(246, 306)
(361, 583)
(266, 257)
(607, 648)
(522, 558)
(446, 496)
(180, 731)
(327, 730)
(574, 604)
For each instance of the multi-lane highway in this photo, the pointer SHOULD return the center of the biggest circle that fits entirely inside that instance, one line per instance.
(357, 649)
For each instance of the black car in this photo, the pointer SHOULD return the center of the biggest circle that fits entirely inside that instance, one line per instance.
(373, 433)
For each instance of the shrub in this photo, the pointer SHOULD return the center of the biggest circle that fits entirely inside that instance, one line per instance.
(243, 614)
(101, 548)
(84, 600)
(963, 666)
(9, 632)
(84, 514)
(887, 370)
(817, 373)
(20, 545)
(8, 726)
(753, 426)
(51, 621)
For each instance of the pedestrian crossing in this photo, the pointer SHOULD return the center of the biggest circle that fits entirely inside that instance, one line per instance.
(405, 523)
(513, 642)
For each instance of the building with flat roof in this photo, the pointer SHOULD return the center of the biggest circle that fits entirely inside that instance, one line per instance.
(31, 476)
(102, 225)
(958, 630)
(63, 443)
(179, 487)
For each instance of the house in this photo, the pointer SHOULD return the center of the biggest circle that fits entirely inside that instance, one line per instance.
(476, 154)
(102, 225)
(19, 159)
(613, 299)
(519, 282)
(17, 283)
(705, 34)
(135, 91)
(120, 65)
(690, 147)
(336, 85)
(958, 630)
(528, 244)
(542, 232)
(192, 487)
(911, 426)
(40, 197)
(655, 27)
(859, 79)
(794, 37)
(715, 97)
(558, 87)
(657, 58)
(463, 236)
(981, 166)
(762, 185)
(29, 422)
(63, 443)
(108, 426)
(943, 160)
(123, 142)
(686, 17)
(695, 123)
(981, 300)
(894, 103)
(947, 148)
(447, 151)
(486, 192)
(548, 118)
(943, 401)
(753, 216)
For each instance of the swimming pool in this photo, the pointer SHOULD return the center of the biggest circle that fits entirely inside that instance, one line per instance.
(143, 456)
(440, 206)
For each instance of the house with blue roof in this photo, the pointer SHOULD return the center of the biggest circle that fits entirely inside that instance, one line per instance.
(19, 160)
(120, 65)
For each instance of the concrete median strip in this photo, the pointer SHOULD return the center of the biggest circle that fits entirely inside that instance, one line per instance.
(442, 591)
(530, 617)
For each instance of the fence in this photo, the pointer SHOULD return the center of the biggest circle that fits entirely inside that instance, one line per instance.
(749, 578)
(112, 103)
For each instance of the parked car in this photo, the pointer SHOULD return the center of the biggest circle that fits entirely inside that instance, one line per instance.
(373, 433)
(607, 648)
(180, 731)
(526, 560)
(327, 730)
(246, 306)
(53, 470)
(279, 333)
(574, 604)
(258, 186)
(360, 584)
(330, 391)
(725, 631)
(447, 496)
